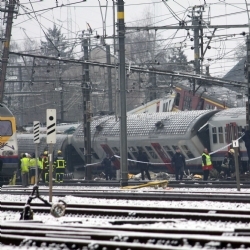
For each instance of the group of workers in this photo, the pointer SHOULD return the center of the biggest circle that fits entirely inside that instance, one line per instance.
(29, 163)
(178, 162)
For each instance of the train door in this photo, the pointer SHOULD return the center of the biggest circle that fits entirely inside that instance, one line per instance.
(203, 135)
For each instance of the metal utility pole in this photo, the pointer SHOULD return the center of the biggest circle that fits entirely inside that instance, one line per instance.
(248, 72)
(109, 79)
(20, 75)
(10, 8)
(86, 111)
(195, 23)
(152, 80)
(123, 92)
(248, 81)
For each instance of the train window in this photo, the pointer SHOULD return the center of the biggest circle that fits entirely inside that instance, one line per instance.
(225, 128)
(169, 151)
(5, 128)
(239, 131)
(220, 132)
(214, 132)
(187, 151)
(130, 156)
(151, 152)
(177, 99)
(94, 154)
(116, 151)
(133, 151)
(142, 149)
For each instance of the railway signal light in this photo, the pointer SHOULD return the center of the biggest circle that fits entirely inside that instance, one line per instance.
(51, 126)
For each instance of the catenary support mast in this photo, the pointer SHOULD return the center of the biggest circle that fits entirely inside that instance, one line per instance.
(10, 8)
(86, 111)
(122, 84)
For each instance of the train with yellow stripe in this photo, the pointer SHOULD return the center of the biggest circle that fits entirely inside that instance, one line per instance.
(8, 142)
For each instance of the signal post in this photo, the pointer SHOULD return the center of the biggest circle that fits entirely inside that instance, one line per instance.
(36, 132)
(235, 144)
(51, 140)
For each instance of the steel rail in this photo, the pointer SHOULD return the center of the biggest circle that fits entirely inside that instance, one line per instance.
(225, 197)
(127, 216)
(35, 234)
(140, 208)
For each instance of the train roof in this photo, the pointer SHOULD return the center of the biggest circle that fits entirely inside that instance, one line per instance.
(229, 114)
(26, 142)
(4, 111)
(174, 123)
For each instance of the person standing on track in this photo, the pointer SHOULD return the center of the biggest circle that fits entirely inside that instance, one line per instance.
(59, 166)
(143, 165)
(179, 164)
(25, 162)
(106, 163)
(32, 169)
(206, 164)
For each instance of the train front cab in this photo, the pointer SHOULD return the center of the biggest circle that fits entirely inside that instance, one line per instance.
(8, 143)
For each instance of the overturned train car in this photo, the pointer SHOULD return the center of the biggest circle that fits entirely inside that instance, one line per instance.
(157, 134)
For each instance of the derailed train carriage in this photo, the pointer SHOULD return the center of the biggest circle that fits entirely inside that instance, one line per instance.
(158, 135)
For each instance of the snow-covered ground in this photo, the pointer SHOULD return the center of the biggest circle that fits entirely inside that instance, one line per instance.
(68, 219)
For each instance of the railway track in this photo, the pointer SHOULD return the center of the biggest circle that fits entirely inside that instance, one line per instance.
(137, 195)
(172, 183)
(113, 237)
(138, 214)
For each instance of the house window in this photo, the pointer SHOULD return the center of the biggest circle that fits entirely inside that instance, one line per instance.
(214, 133)
(151, 152)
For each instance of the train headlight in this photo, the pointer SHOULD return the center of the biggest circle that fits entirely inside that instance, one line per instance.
(7, 153)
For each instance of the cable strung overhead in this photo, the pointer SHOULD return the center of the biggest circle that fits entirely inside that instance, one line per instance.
(214, 80)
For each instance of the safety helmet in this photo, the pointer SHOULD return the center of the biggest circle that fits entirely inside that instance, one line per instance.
(45, 152)
(59, 151)
(231, 151)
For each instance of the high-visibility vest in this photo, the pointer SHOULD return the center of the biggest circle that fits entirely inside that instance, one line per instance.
(60, 162)
(208, 161)
(25, 162)
(32, 162)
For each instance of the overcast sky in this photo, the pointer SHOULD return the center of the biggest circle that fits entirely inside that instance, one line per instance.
(75, 16)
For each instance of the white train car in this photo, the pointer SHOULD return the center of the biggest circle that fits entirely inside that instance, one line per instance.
(157, 134)
(224, 127)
